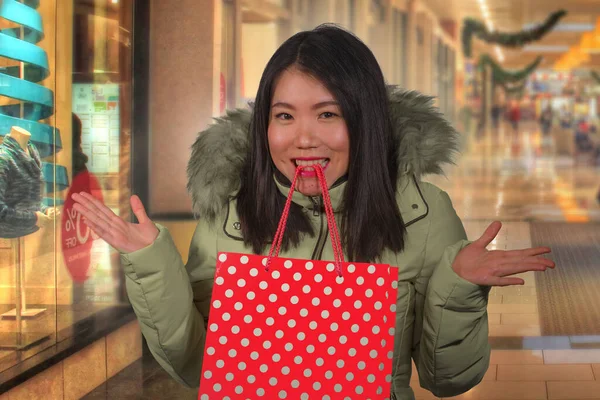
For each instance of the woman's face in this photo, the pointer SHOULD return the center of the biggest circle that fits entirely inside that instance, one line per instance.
(306, 127)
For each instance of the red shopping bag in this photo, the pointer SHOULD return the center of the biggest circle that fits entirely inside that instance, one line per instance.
(297, 329)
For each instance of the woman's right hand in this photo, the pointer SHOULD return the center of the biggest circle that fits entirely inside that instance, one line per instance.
(124, 236)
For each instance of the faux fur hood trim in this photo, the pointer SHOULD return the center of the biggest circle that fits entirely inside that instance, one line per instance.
(425, 139)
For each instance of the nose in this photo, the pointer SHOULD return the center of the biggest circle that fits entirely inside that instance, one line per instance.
(306, 136)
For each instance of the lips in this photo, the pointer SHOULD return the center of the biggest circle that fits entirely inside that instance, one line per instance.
(308, 162)
(309, 172)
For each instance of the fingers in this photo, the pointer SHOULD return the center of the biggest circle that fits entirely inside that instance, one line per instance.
(95, 221)
(489, 235)
(138, 209)
(523, 253)
(506, 281)
(97, 229)
(532, 259)
(94, 204)
(104, 230)
(83, 210)
(511, 269)
(91, 208)
(544, 261)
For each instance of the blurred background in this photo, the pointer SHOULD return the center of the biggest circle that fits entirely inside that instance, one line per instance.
(112, 93)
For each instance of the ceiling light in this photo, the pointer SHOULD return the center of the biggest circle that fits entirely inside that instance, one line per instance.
(499, 54)
(486, 14)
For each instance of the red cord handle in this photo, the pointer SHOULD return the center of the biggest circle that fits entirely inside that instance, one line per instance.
(333, 229)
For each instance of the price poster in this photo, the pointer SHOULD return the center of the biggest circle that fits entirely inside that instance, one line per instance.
(97, 106)
(77, 237)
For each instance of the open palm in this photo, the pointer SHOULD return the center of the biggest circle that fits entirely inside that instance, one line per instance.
(124, 236)
(485, 267)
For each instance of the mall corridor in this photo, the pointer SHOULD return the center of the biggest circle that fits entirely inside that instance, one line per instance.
(545, 335)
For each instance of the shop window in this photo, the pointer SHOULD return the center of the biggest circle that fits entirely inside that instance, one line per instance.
(65, 118)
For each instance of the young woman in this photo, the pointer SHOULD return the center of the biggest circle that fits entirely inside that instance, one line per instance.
(322, 99)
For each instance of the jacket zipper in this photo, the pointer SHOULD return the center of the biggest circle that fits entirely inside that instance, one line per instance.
(318, 250)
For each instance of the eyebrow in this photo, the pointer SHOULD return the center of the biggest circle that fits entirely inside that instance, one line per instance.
(315, 107)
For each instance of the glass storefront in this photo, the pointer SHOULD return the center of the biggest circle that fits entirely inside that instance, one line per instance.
(65, 126)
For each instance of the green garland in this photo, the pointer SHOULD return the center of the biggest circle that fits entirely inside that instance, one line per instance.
(596, 76)
(517, 90)
(473, 27)
(502, 76)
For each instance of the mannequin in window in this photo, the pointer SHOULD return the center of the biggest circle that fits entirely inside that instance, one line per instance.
(21, 210)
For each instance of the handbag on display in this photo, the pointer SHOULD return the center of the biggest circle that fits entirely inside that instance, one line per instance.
(290, 328)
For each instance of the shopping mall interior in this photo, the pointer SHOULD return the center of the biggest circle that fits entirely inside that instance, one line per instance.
(108, 97)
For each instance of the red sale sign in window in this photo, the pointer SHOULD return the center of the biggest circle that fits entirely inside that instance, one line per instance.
(77, 237)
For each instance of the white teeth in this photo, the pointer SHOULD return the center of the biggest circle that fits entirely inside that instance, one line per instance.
(305, 163)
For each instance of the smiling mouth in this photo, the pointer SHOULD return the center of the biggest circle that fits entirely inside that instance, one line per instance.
(323, 162)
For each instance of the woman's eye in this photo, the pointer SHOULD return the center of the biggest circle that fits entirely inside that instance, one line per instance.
(284, 116)
(328, 114)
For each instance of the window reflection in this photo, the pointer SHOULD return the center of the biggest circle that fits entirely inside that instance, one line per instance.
(71, 134)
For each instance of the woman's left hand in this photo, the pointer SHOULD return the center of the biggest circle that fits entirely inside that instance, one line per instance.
(485, 267)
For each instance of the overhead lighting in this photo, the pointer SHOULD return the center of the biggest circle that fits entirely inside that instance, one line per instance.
(499, 54)
(486, 14)
(490, 25)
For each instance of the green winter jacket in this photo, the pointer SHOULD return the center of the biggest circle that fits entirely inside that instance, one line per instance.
(441, 320)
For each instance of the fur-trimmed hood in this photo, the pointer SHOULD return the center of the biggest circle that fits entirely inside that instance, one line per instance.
(425, 141)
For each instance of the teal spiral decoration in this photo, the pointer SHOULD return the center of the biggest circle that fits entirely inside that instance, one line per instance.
(31, 101)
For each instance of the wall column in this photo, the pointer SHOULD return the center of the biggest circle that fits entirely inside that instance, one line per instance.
(184, 58)
(411, 46)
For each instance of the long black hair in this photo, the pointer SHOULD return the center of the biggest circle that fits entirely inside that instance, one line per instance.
(371, 221)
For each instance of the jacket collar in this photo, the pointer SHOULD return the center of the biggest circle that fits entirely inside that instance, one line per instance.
(411, 202)
(336, 193)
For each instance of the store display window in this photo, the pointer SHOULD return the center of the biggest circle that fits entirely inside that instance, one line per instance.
(65, 126)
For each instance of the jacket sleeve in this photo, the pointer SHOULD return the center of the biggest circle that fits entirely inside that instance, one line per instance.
(161, 290)
(453, 352)
(8, 214)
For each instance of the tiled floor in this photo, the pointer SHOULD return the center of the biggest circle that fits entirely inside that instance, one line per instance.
(518, 183)
(495, 180)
